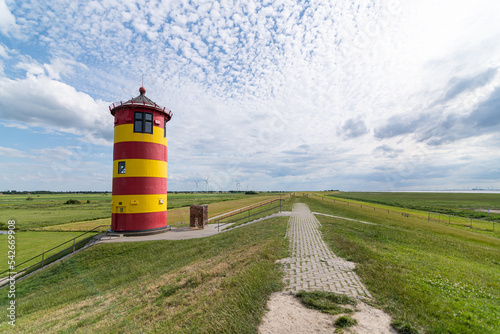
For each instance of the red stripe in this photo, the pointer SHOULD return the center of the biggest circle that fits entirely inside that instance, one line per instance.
(139, 185)
(139, 150)
(126, 116)
(138, 221)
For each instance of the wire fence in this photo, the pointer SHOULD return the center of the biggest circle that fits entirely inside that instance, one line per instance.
(43, 259)
(246, 215)
(471, 223)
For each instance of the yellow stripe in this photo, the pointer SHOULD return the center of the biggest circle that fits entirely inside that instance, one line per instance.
(125, 132)
(139, 203)
(141, 168)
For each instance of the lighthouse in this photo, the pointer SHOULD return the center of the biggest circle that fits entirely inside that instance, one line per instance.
(139, 202)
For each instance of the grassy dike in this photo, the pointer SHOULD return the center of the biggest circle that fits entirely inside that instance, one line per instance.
(431, 278)
(218, 284)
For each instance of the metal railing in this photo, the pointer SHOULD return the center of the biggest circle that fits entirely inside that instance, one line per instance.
(47, 257)
(247, 214)
(447, 219)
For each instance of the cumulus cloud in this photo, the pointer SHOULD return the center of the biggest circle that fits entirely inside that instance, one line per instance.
(42, 101)
(8, 24)
(354, 128)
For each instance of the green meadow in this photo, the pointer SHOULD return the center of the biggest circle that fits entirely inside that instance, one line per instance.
(218, 284)
(471, 205)
(43, 210)
(30, 244)
(431, 278)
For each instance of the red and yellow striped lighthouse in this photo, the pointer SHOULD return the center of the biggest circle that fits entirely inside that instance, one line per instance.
(139, 201)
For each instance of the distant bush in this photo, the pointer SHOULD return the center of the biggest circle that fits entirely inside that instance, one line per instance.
(72, 201)
(29, 198)
(88, 201)
(251, 193)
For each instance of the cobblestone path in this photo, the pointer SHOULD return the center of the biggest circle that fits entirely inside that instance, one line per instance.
(312, 266)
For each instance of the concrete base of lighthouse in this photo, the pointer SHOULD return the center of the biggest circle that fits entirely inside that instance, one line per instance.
(141, 232)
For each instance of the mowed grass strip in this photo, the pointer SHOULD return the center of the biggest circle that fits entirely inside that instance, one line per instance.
(432, 278)
(218, 284)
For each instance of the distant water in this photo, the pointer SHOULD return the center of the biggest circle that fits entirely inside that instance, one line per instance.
(3, 232)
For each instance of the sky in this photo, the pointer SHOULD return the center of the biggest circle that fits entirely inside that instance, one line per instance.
(266, 95)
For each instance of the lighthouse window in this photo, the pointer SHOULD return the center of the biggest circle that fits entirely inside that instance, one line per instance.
(143, 122)
(165, 128)
(121, 167)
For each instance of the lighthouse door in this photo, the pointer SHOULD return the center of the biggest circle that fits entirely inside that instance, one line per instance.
(120, 218)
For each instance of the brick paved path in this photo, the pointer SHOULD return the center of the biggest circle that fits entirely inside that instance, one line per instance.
(312, 266)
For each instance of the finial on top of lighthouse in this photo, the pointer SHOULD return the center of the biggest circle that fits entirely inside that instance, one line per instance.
(142, 90)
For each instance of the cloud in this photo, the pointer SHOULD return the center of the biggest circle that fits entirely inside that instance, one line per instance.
(14, 125)
(486, 116)
(8, 24)
(399, 125)
(7, 152)
(388, 151)
(354, 128)
(42, 101)
(459, 85)
(267, 93)
(482, 120)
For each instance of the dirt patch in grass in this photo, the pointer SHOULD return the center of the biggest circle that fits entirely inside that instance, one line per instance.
(288, 315)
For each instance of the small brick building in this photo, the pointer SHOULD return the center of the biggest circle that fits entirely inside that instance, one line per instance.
(198, 216)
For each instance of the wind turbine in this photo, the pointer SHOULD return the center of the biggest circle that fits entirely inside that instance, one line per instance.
(196, 185)
(206, 181)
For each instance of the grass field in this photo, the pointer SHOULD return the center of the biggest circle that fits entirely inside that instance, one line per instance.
(489, 227)
(175, 217)
(29, 244)
(218, 284)
(50, 209)
(460, 204)
(432, 278)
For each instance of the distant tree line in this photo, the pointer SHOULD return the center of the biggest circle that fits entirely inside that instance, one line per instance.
(46, 192)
